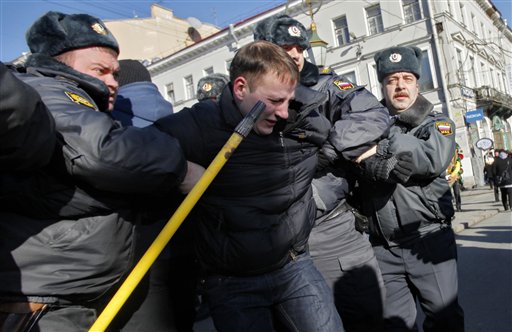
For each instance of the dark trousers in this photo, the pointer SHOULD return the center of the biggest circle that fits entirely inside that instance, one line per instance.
(456, 195)
(506, 198)
(346, 260)
(425, 269)
(496, 192)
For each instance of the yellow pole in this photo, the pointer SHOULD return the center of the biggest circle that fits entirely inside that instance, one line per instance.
(142, 267)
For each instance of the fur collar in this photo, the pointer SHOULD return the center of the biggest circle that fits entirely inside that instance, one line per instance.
(309, 74)
(415, 115)
(48, 66)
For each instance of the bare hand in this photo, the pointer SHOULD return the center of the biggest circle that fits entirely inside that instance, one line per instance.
(194, 173)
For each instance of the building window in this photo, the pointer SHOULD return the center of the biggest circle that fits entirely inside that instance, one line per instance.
(207, 71)
(341, 30)
(472, 81)
(190, 90)
(374, 18)
(228, 65)
(475, 23)
(449, 4)
(460, 68)
(462, 14)
(482, 29)
(412, 10)
(483, 74)
(170, 93)
(351, 76)
(426, 80)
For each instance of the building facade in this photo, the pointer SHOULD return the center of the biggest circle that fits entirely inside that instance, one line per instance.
(466, 69)
(150, 39)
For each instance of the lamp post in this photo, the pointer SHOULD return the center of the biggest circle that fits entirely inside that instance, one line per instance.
(318, 51)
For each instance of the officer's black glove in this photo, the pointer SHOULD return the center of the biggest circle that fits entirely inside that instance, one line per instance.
(396, 168)
(403, 167)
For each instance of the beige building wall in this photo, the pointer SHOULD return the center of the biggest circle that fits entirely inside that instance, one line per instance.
(158, 36)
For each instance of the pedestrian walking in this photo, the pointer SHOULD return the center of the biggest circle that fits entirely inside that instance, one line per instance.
(503, 173)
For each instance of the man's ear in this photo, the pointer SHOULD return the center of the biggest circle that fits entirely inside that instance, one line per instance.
(240, 87)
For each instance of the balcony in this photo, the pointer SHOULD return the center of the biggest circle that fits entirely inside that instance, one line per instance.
(496, 102)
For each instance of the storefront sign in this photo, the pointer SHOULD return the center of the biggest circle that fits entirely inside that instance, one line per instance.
(474, 115)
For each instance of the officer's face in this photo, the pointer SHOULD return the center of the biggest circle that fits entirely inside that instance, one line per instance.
(98, 62)
(275, 92)
(297, 54)
(400, 91)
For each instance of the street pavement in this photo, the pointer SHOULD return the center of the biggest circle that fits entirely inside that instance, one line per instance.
(477, 204)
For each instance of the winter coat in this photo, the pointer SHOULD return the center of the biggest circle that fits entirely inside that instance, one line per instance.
(258, 212)
(27, 129)
(67, 229)
(140, 104)
(404, 212)
(502, 168)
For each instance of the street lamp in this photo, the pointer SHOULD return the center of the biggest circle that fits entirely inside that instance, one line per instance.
(318, 50)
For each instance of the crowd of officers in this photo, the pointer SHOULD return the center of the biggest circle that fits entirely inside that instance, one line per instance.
(333, 214)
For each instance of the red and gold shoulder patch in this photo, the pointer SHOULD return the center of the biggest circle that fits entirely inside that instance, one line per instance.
(79, 99)
(444, 128)
(342, 85)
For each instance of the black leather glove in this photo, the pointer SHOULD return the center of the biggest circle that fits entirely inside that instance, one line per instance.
(396, 168)
(403, 167)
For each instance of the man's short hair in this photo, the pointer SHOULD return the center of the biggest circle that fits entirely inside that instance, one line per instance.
(259, 58)
(398, 59)
(282, 30)
(55, 33)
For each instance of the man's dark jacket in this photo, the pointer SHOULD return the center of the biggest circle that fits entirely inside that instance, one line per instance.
(67, 230)
(259, 211)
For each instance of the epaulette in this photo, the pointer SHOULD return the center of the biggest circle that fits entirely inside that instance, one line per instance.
(327, 71)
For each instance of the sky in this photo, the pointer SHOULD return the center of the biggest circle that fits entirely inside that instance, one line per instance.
(16, 16)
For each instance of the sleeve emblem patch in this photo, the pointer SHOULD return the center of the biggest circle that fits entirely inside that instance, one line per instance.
(342, 85)
(444, 128)
(79, 99)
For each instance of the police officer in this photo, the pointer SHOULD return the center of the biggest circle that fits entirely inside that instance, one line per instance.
(410, 216)
(68, 230)
(210, 86)
(341, 253)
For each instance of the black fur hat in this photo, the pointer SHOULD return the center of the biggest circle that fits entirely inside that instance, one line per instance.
(55, 33)
(282, 30)
(396, 59)
(211, 86)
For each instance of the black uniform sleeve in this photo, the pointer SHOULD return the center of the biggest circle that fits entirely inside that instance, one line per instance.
(27, 130)
(359, 119)
(101, 153)
(431, 147)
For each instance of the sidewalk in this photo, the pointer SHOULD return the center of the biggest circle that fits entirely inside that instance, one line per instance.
(477, 204)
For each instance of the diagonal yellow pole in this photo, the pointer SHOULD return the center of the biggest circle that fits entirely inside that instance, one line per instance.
(142, 267)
